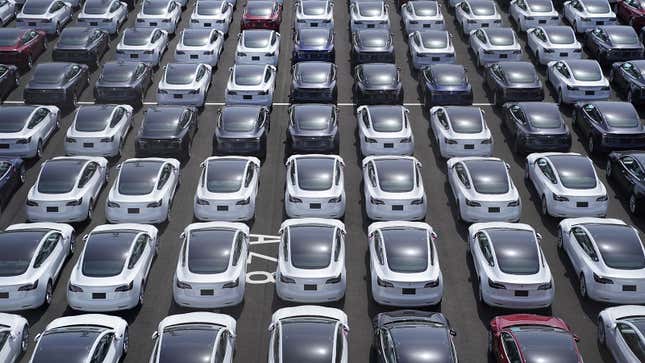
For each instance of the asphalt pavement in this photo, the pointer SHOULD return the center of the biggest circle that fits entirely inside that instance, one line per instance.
(468, 318)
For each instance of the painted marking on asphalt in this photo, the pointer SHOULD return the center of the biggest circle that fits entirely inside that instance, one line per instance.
(275, 104)
(261, 277)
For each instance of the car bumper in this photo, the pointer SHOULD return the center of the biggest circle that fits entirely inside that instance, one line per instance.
(74, 56)
(19, 150)
(45, 97)
(576, 96)
(256, 59)
(65, 215)
(385, 213)
(467, 27)
(379, 149)
(481, 214)
(373, 57)
(111, 26)
(211, 59)
(145, 215)
(209, 24)
(569, 209)
(612, 293)
(157, 23)
(116, 94)
(49, 28)
(535, 300)
(261, 100)
(220, 298)
(317, 96)
(107, 149)
(420, 62)
(323, 56)
(210, 212)
(528, 24)
(560, 55)
(378, 97)
(184, 99)
(260, 25)
(296, 293)
(251, 147)
(449, 151)
(23, 300)
(326, 210)
(392, 296)
(150, 59)
(450, 98)
(425, 25)
(124, 301)
(499, 57)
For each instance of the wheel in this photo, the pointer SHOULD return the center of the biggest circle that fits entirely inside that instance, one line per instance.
(478, 61)
(537, 56)
(544, 206)
(601, 331)
(560, 242)
(489, 346)
(126, 341)
(496, 99)
(90, 210)
(560, 97)
(30, 61)
(630, 96)
(459, 219)
(57, 28)
(22, 174)
(49, 293)
(39, 149)
(582, 286)
(515, 146)
(591, 146)
(74, 102)
(72, 243)
(574, 25)
(634, 208)
(480, 295)
(141, 292)
(608, 170)
(24, 339)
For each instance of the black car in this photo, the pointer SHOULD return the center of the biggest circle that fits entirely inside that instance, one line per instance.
(372, 45)
(613, 43)
(242, 129)
(123, 82)
(81, 45)
(167, 131)
(313, 82)
(513, 81)
(12, 175)
(377, 83)
(445, 84)
(315, 44)
(313, 128)
(413, 336)
(609, 126)
(8, 80)
(627, 169)
(536, 126)
(57, 83)
(629, 79)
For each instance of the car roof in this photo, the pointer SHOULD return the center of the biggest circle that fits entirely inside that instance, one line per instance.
(307, 339)
(421, 342)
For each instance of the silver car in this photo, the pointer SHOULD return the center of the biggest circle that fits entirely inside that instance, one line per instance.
(14, 337)
(430, 47)
(475, 14)
(142, 45)
(461, 131)
(258, 46)
(495, 45)
(98, 130)
(199, 46)
(251, 84)
(212, 14)
(553, 43)
(108, 15)
(46, 15)
(184, 84)
(162, 14)
(25, 130)
(384, 130)
(621, 330)
(578, 80)
(422, 15)
(369, 15)
(587, 14)
(532, 13)
(314, 14)
(7, 11)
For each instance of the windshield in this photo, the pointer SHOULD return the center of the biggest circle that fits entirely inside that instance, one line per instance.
(36, 7)
(196, 38)
(549, 118)
(489, 176)
(8, 38)
(135, 37)
(96, 6)
(225, 176)
(625, 117)
(315, 173)
(307, 340)
(176, 75)
(624, 37)
(546, 344)
(138, 177)
(154, 8)
(515, 250)
(92, 119)
(209, 250)
(66, 345)
(310, 247)
(59, 176)
(248, 77)
(48, 75)
(313, 119)
(260, 10)
(575, 172)
(117, 74)
(106, 252)
(619, 246)
(208, 7)
(395, 175)
(406, 249)
(18, 248)
(587, 72)
(521, 75)
(598, 7)
(188, 343)
(564, 36)
(484, 9)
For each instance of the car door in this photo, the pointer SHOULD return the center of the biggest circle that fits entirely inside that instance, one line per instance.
(580, 248)
(544, 176)
(51, 255)
(514, 117)
(91, 179)
(40, 124)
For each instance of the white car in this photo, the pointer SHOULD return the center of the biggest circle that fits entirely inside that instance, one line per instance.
(46, 15)
(577, 80)
(199, 46)
(258, 46)
(567, 185)
(553, 43)
(184, 84)
(483, 189)
(251, 84)
(404, 264)
(33, 257)
(315, 186)
(608, 258)
(143, 191)
(621, 330)
(98, 130)
(369, 15)
(88, 338)
(7, 13)
(25, 130)
(112, 271)
(321, 328)
(533, 13)
(142, 45)
(476, 14)
(67, 189)
(211, 269)
(461, 131)
(227, 188)
(212, 14)
(422, 15)
(495, 45)
(587, 14)
(314, 14)
(176, 336)
(430, 47)
(311, 260)
(393, 188)
(14, 337)
(384, 130)
(511, 269)
(108, 15)
(163, 14)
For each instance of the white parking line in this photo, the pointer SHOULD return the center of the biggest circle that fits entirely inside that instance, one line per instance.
(275, 104)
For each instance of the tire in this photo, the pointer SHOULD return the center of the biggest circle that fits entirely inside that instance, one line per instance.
(24, 339)
(630, 96)
(39, 149)
(90, 210)
(49, 294)
(633, 204)
(30, 62)
(560, 241)
(582, 286)
(72, 243)
(544, 206)
(601, 331)
(126, 341)
(496, 98)
(480, 295)
(591, 145)
(608, 170)
(58, 29)
(23, 173)
(141, 293)
(560, 98)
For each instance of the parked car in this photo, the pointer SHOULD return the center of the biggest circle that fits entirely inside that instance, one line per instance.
(21, 47)
(613, 43)
(609, 125)
(627, 170)
(536, 126)
(628, 78)
(81, 45)
(167, 130)
(242, 129)
(123, 81)
(445, 84)
(57, 83)
(513, 81)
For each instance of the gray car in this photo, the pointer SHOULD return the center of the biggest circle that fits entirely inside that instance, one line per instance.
(241, 129)
(372, 45)
(376, 83)
(313, 128)
(513, 81)
(123, 82)
(536, 126)
(314, 82)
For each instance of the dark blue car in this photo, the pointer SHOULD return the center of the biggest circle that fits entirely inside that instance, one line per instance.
(629, 79)
(313, 44)
(12, 175)
(445, 84)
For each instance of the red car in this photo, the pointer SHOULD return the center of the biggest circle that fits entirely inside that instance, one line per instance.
(260, 14)
(631, 12)
(21, 47)
(521, 338)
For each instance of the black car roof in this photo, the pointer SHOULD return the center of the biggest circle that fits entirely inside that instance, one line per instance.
(307, 340)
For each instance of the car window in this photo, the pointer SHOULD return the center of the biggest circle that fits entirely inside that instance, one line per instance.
(633, 341)
(102, 348)
(584, 242)
(512, 353)
(184, 120)
(250, 173)
(56, 6)
(629, 68)
(485, 247)
(388, 346)
(443, 120)
(88, 173)
(465, 7)
(38, 117)
(276, 344)
(461, 174)
(517, 113)
(576, 5)
(267, 75)
(115, 6)
(339, 344)
(237, 249)
(632, 166)
(156, 36)
(522, 5)
(599, 33)
(480, 35)
(497, 71)
(562, 68)
(378, 247)
(165, 175)
(200, 73)
(546, 169)
(47, 248)
(222, 344)
(338, 172)
(337, 247)
(172, 6)
(364, 117)
(117, 116)
(292, 173)
(540, 34)
(371, 174)
(28, 36)
(285, 244)
(137, 250)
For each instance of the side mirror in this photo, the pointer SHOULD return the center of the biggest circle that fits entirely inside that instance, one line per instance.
(182, 235)
(434, 235)
(37, 337)
(453, 333)
(576, 337)
(539, 236)
(508, 166)
(271, 327)
(154, 336)
(85, 237)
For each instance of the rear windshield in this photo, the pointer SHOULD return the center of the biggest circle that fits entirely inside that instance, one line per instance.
(208, 8)
(138, 178)
(467, 123)
(489, 176)
(209, 251)
(187, 343)
(598, 7)
(406, 249)
(8, 38)
(315, 173)
(18, 248)
(619, 246)
(136, 37)
(588, 73)
(96, 7)
(106, 252)
(575, 172)
(37, 7)
(154, 7)
(225, 176)
(395, 176)
(310, 247)
(59, 176)
(562, 37)
(516, 251)
(92, 119)
(66, 345)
